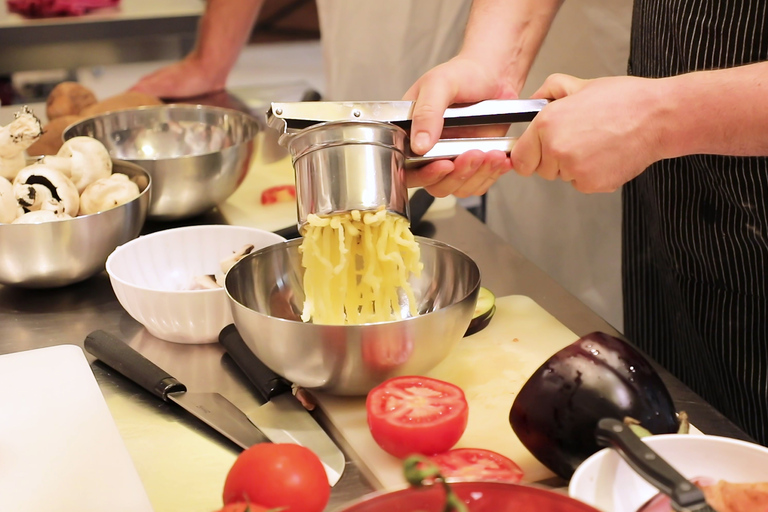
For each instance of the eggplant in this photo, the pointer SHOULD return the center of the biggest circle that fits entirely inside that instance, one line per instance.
(484, 311)
(598, 376)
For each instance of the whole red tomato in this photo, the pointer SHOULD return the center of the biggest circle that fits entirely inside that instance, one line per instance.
(409, 415)
(478, 464)
(278, 475)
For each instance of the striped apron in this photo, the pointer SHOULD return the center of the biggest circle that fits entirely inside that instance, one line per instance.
(695, 229)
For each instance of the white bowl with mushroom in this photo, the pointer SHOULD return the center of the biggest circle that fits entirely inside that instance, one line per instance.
(169, 280)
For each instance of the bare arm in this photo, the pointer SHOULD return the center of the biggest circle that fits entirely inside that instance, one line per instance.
(223, 31)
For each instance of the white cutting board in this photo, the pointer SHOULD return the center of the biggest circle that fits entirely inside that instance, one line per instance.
(60, 450)
(490, 366)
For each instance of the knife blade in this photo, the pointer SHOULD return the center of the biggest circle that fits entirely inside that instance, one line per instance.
(684, 495)
(211, 408)
(282, 418)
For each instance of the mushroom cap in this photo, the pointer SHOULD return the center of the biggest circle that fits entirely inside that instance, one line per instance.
(39, 216)
(90, 161)
(17, 136)
(38, 183)
(9, 207)
(107, 193)
(10, 167)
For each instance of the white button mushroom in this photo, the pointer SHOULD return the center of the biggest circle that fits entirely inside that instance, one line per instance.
(107, 193)
(83, 159)
(16, 137)
(9, 207)
(38, 184)
(39, 216)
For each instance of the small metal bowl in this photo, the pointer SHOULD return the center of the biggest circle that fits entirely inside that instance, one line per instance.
(197, 155)
(266, 294)
(62, 252)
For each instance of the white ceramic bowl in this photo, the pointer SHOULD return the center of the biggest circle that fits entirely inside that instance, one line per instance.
(607, 483)
(152, 274)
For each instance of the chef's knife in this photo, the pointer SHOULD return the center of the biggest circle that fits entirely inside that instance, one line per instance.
(282, 418)
(211, 408)
(683, 494)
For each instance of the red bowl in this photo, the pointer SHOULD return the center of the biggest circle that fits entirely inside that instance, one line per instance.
(479, 497)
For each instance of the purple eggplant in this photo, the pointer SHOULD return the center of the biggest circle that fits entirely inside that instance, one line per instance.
(599, 376)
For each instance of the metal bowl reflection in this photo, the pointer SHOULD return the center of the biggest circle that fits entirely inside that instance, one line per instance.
(197, 155)
(266, 295)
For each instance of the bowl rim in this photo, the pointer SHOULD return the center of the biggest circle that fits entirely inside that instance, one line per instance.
(157, 234)
(578, 482)
(82, 218)
(66, 134)
(297, 241)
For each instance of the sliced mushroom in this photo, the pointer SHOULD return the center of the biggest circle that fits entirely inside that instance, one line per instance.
(19, 134)
(228, 262)
(83, 159)
(106, 193)
(39, 184)
(9, 208)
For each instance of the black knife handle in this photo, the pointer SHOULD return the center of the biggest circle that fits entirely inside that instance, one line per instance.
(117, 354)
(267, 383)
(647, 463)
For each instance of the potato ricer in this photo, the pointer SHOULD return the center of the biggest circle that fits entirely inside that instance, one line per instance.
(353, 155)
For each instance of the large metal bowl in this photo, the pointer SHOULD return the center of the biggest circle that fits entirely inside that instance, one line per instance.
(266, 295)
(62, 252)
(197, 155)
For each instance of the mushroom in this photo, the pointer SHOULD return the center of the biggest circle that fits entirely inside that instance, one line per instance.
(39, 216)
(37, 185)
(9, 207)
(83, 159)
(228, 262)
(106, 193)
(15, 138)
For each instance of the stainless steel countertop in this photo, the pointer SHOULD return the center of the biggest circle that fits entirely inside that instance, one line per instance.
(182, 462)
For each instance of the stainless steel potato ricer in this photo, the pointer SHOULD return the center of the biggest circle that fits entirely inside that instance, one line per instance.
(353, 155)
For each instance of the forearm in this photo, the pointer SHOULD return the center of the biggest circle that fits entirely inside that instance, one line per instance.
(507, 34)
(223, 31)
(722, 112)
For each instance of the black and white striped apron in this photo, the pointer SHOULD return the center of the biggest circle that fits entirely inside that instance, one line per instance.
(695, 229)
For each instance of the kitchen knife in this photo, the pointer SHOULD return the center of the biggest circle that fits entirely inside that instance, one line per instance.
(211, 408)
(282, 418)
(683, 494)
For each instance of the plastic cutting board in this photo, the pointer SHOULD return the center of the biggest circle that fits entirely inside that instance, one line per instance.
(490, 366)
(60, 450)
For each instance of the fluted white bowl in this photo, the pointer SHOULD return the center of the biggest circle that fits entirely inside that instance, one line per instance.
(151, 276)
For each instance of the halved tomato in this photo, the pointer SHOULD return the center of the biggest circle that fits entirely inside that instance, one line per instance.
(410, 415)
(478, 464)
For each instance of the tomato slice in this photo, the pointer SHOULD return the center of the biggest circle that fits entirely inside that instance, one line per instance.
(412, 414)
(278, 194)
(478, 464)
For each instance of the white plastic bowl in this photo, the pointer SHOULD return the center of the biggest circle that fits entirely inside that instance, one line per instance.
(607, 483)
(151, 276)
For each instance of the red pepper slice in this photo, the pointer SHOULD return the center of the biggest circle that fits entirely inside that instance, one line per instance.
(278, 194)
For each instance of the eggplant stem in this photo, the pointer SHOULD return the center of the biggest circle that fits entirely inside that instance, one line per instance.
(420, 471)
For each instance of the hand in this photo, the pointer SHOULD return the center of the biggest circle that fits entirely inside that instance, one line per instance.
(184, 79)
(597, 134)
(459, 80)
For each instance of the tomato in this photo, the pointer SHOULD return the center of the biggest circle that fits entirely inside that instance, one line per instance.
(408, 415)
(278, 475)
(242, 506)
(280, 193)
(477, 464)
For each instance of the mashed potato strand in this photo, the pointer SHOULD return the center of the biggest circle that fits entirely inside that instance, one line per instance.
(357, 266)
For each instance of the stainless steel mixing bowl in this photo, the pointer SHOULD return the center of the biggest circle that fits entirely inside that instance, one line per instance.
(266, 294)
(197, 155)
(58, 253)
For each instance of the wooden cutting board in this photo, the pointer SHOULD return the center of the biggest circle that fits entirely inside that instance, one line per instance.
(60, 450)
(490, 366)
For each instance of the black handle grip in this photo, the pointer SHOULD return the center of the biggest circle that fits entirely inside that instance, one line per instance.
(648, 464)
(117, 354)
(418, 205)
(267, 383)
